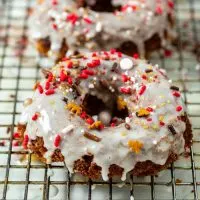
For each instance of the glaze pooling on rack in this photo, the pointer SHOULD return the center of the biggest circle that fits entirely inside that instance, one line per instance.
(142, 87)
(137, 21)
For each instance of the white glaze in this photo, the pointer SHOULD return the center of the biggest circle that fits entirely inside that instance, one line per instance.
(157, 141)
(107, 30)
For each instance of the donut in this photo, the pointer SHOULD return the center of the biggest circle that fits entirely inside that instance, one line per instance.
(58, 27)
(106, 114)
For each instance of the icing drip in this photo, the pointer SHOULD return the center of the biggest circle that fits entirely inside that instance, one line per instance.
(84, 29)
(144, 134)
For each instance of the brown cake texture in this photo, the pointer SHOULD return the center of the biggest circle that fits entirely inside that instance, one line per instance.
(87, 167)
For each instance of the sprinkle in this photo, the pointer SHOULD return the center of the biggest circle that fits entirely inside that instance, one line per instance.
(171, 129)
(126, 64)
(168, 53)
(87, 20)
(90, 121)
(171, 4)
(25, 141)
(50, 92)
(179, 108)
(162, 123)
(74, 108)
(69, 64)
(94, 63)
(16, 135)
(125, 90)
(174, 88)
(96, 125)
(88, 72)
(121, 104)
(27, 102)
(50, 77)
(149, 109)
(47, 85)
(72, 18)
(83, 76)
(35, 117)
(83, 115)
(142, 113)
(65, 99)
(67, 129)
(135, 145)
(176, 94)
(136, 56)
(54, 2)
(159, 10)
(40, 89)
(125, 78)
(57, 140)
(144, 77)
(16, 143)
(54, 26)
(63, 76)
(127, 126)
(91, 137)
(69, 80)
(142, 90)
(112, 124)
(148, 70)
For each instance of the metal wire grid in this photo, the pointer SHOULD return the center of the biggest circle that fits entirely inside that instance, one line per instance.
(17, 74)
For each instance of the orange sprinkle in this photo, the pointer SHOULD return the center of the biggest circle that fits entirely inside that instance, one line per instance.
(135, 145)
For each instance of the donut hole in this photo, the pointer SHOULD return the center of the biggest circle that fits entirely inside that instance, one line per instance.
(95, 107)
(98, 5)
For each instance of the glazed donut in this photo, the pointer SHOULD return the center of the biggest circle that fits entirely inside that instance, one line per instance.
(131, 26)
(105, 113)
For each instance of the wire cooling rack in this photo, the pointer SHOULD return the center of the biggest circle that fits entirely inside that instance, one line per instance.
(23, 177)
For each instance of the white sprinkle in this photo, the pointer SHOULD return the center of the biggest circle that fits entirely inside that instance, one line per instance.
(127, 120)
(198, 67)
(91, 85)
(126, 64)
(67, 129)
(170, 81)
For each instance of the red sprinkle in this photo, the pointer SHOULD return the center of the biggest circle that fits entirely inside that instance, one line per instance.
(72, 18)
(113, 124)
(16, 143)
(25, 141)
(83, 115)
(47, 85)
(168, 53)
(63, 76)
(125, 78)
(16, 135)
(162, 123)
(179, 108)
(57, 141)
(149, 109)
(65, 59)
(54, 2)
(50, 92)
(142, 90)
(50, 77)
(144, 77)
(176, 94)
(90, 121)
(83, 76)
(69, 80)
(35, 117)
(40, 89)
(159, 10)
(88, 72)
(94, 54)
(55, 27)
(136, 56)
(149, 119)
(171, 4)
(125, 90)
(69, 64)
(113, 51)
(119, 54)
(87, 20)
